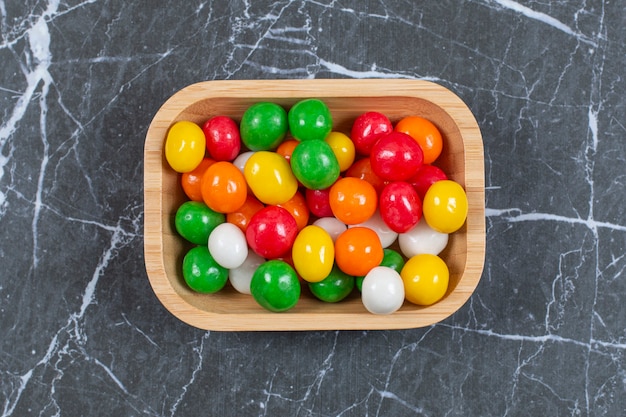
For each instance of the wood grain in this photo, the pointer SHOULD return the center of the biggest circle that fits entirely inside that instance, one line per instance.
(462, 159)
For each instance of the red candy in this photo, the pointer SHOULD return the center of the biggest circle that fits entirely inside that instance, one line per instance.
(426, 176)
(271, 232)
(318, 202)
(400, 206)
(367, 129)
(396, 157)
(222, 138)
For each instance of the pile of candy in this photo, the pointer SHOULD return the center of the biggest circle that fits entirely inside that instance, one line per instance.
(280, 200)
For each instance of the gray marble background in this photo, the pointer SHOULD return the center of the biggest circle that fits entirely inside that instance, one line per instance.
(81, 332)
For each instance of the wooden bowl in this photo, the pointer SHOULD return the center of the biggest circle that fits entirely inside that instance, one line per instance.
(228, 310)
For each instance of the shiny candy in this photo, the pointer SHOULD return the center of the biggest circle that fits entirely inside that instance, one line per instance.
(241, 276)
(382, 291)
(313, 253)
(422, 239)
(271, 232)
(275, 286)
(228, 246)
(202, 273)
(269, 176)
(185, 146)
(314, 164)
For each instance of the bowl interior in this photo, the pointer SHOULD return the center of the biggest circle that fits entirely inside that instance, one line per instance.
(230, 310)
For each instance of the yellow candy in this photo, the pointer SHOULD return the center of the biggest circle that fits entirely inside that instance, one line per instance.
(313, 253)
(269, 176)
(184, 146)
(343, 148)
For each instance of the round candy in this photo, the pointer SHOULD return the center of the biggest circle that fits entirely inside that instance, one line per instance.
(400, 206)
(202, 273)
(385, 234)
(271, 232)
(224, 187)
(425, 133)
(333, 226)
(362, 168)
(223, 141)
(425, 279)
(313, 253)
(367, 129)
(298, 208)
(314, 164)
(422, 239)
(382, 291)
(228, 246)
(318, 202)
(195, 221)
(269, 177)
(333, 288)
(310, 119)
(191, 181)
(263, 126)
(426, 176)
(445, 206)
(241, 276)
(275, 286)
(352, 200)
(343, 148)
(240, 161)
(357, 250)
(241, 217)
(185, 146)
(285, 149)
(391, 259)
(396, 157)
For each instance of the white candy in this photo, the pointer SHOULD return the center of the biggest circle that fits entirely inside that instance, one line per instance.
(422, 239)
(376, 223)
(241, 160)
(228, 245)
(382, 291)
(241, 276)
(332, 225)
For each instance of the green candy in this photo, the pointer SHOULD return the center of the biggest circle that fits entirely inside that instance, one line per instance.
(195, 221)
(201, 273)
(314, 164)
(275, 286)
(263, 126)
(335, 287)
(310, 119)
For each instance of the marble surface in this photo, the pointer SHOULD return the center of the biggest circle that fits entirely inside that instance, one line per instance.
(82, 333)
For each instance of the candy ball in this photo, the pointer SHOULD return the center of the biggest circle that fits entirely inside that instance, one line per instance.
(263, 126)
(382, 291)
(425, 133)
(224, 187)
(400, 206)
(318, 202)
(313, 253)
(343, 148)
(396, 157)
(192, 181)
(334, 287)
(275, 286)
(445, 206)
(357, 250)
(202, 273)
(333, 226)
(269, 177)
(223, 141)
(426, 176)
(228, 246)
(271, 232)
(314, 164)
(422, 239)
(352, 200)
(367, 129)
(310, 119)
(241, 276)
(425, 279)
(185, 146)
(195, 221)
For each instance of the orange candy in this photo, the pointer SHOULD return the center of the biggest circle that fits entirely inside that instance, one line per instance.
(191, 180)
(362, 168)
(242, 216)
(358, 250)
(286, 148)
(298, 208)
(224, 187)
(425, 133)
(353, 200)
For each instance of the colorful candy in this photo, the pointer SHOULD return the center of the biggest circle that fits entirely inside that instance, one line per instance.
(279, 212)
